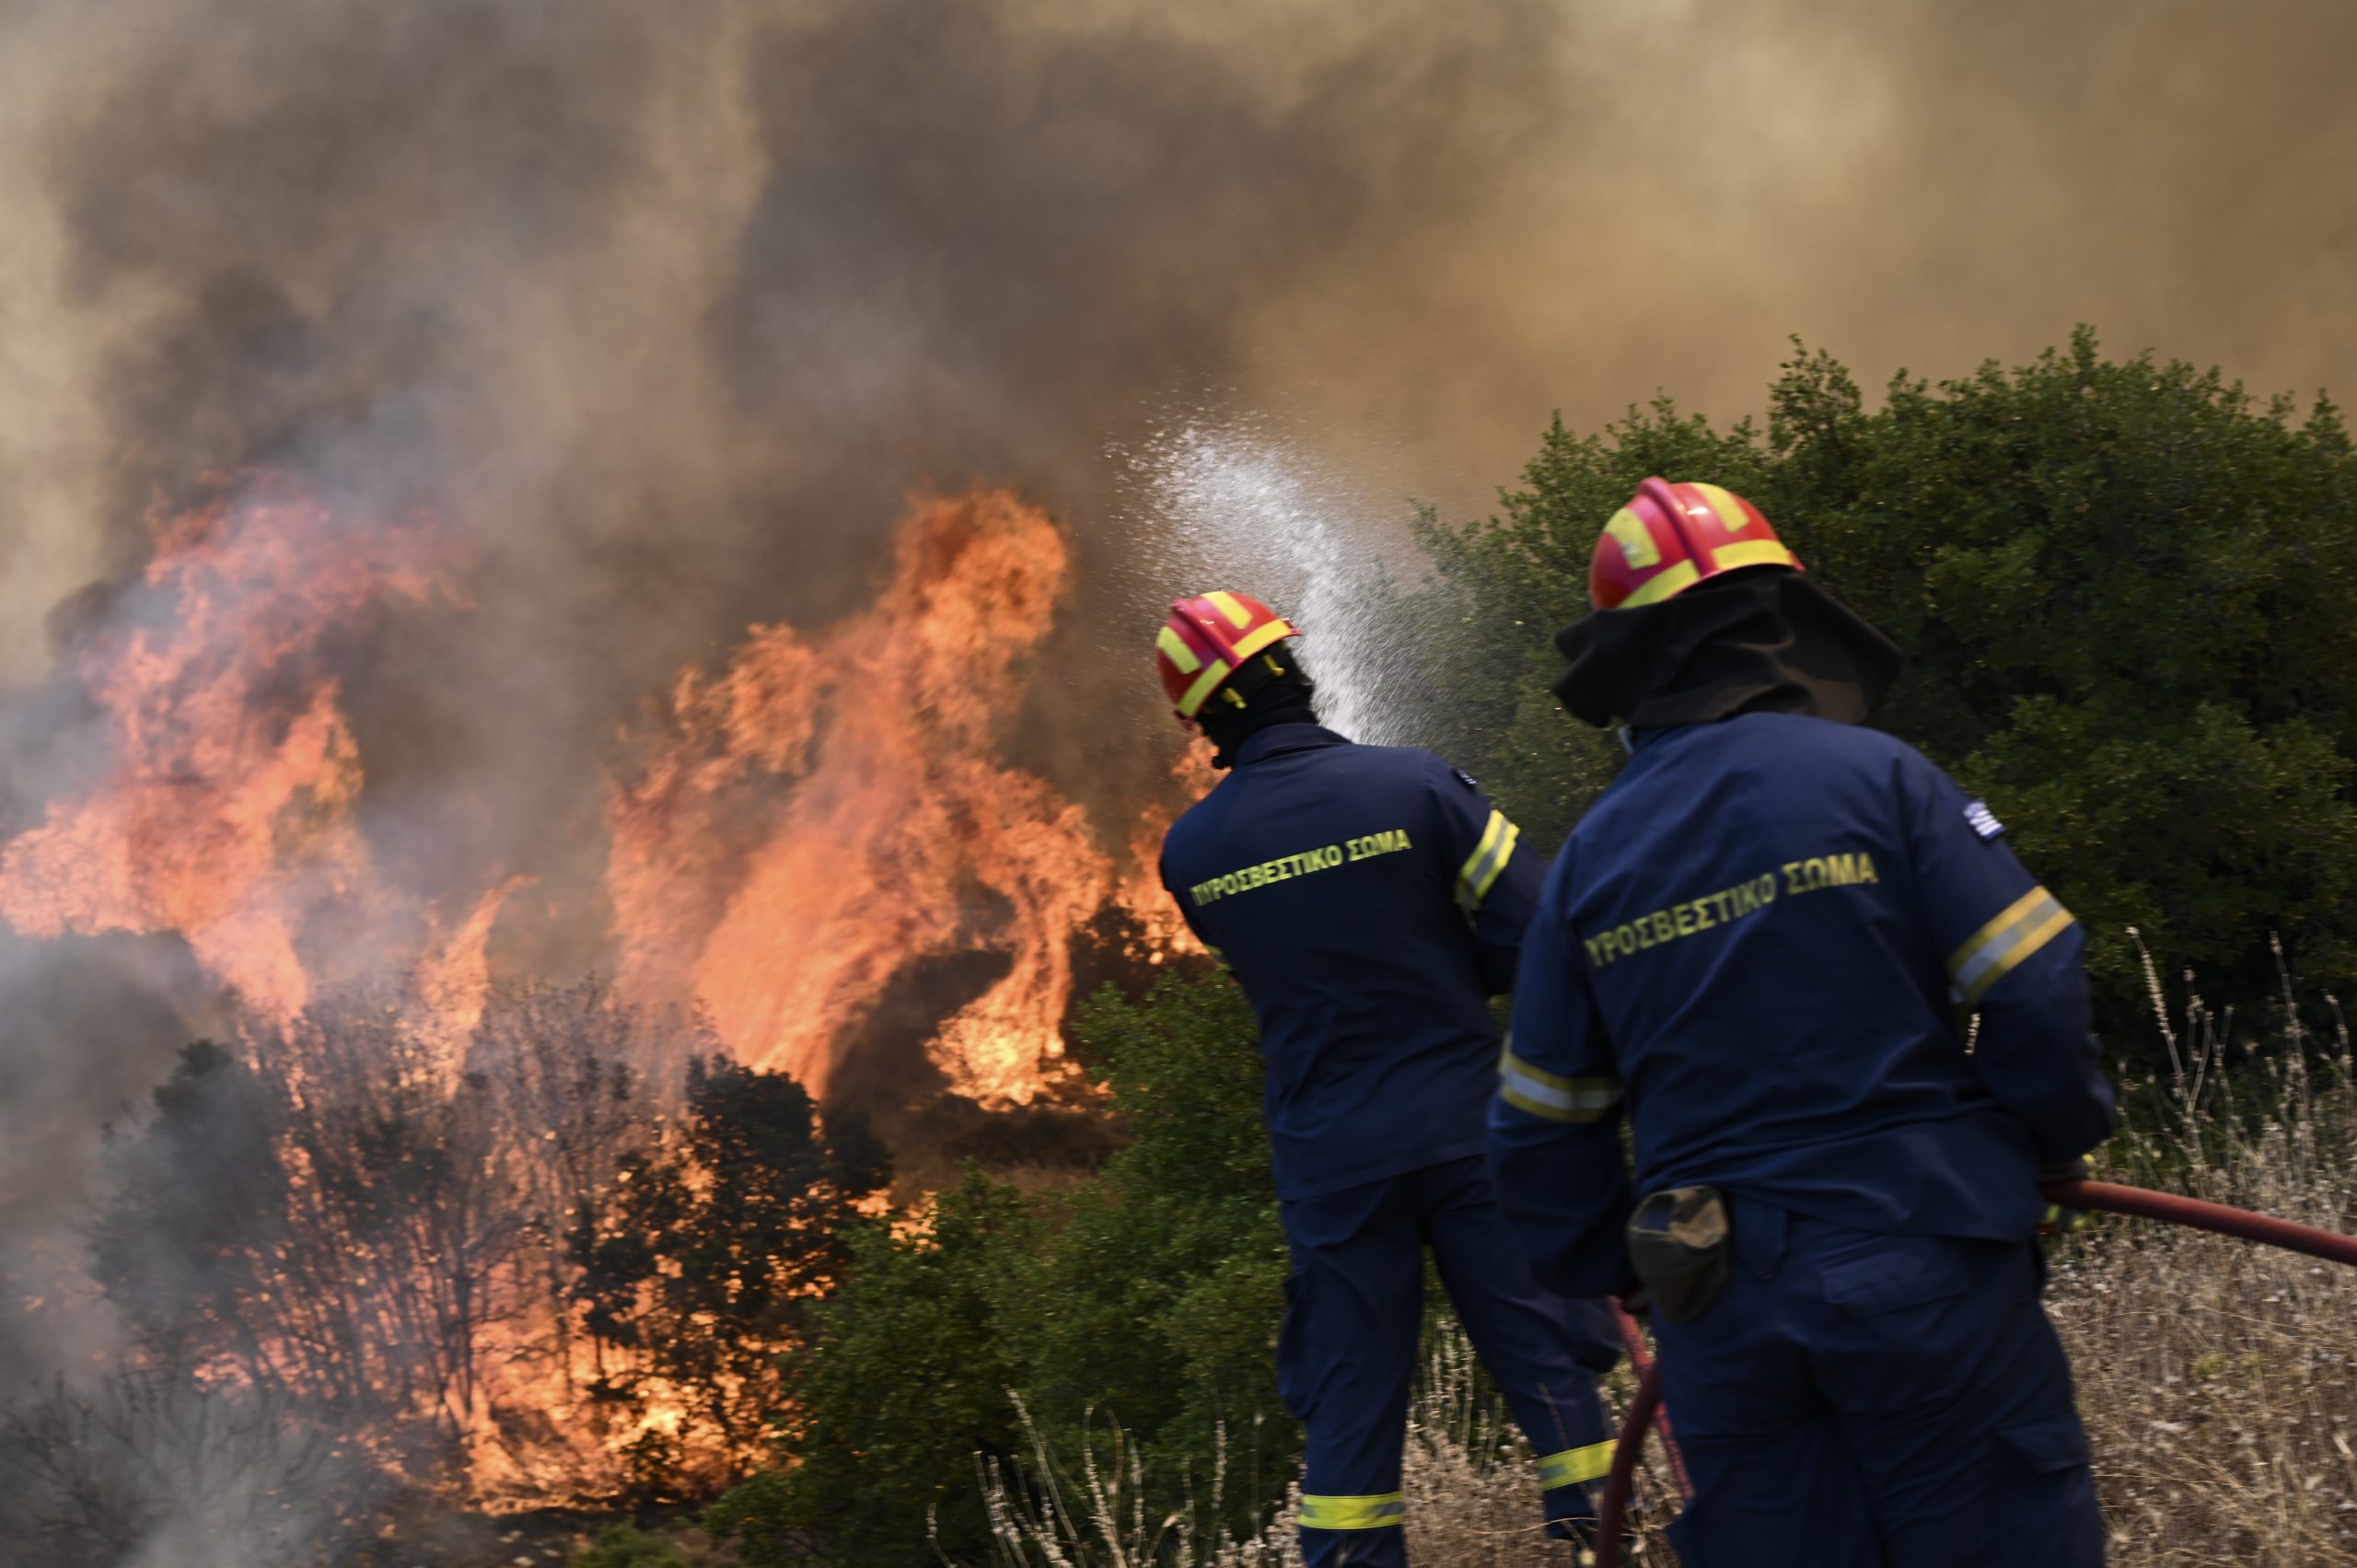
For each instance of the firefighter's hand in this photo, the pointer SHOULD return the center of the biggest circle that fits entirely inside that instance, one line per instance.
(2059, 1220)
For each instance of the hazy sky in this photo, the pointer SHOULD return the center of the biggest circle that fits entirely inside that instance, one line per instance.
(711, 283)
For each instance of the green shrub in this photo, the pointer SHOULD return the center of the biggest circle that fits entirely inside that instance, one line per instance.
(627, 1546)
(901, 1384)
(1156, 1302)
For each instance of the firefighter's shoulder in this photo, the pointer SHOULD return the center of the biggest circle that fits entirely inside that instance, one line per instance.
(1799, 745)
(1437, 768)
(1875, 775)
(1770, 757)
(1407, 765)
(1412, 756)
(1199, 825)
(1856, 746)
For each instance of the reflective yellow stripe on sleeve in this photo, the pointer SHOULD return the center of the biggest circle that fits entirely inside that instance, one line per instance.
(2028, 923)
(1481, 854)
(1574, 1466)
(1352, 1513)
(1505, 852)
(1576, 1101)
(1479, 872)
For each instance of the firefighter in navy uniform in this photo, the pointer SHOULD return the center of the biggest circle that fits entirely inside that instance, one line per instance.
(1369, 900)
(1765, 944)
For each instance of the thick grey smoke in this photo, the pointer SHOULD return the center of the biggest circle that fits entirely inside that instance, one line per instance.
(671, 305)
(682, 299)
(674, 305)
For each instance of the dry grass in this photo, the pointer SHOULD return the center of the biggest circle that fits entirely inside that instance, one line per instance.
(1470, 1484)
(2218, 1379)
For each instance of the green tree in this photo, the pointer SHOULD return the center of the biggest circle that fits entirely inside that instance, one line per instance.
(2122, 586)
(1156, 1302)
(901, 1384)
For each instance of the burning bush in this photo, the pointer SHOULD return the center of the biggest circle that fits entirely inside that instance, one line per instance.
(516, 1242)
(814, 823)
(714, 1242)
(522, 1273)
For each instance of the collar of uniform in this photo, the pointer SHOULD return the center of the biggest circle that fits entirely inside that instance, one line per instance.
(1638, 739)
(1643, 741)
(1278, 740)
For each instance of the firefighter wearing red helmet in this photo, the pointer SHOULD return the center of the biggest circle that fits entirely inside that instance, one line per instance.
(1762, 946)
(1370, 900)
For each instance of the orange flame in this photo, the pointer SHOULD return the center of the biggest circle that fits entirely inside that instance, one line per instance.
(454, 978)
(814, 819)
(1140, 894)
(225, 811)
(826, 810)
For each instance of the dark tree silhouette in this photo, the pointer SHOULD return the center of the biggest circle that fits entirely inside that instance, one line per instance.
(712, 1249)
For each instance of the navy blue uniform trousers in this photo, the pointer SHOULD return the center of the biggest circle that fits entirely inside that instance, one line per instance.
(1354, 1313)
(1908, 1389)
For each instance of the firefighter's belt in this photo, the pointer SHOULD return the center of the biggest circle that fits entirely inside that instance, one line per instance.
(1678, 1243)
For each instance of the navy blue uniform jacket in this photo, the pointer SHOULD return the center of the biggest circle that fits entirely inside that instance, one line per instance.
(1370, 902)
(1765, 940)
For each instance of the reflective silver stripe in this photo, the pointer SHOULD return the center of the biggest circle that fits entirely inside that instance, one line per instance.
(2028, 924)
(1577, 1100)
(1480, 870)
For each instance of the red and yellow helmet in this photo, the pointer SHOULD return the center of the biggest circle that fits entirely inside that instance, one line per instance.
(1670, 537)
(1208, 639)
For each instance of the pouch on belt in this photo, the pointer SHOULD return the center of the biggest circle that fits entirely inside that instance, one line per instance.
(1678, 1243)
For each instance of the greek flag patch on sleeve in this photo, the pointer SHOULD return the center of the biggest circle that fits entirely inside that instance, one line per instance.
(1984, 822)
(1465, 778)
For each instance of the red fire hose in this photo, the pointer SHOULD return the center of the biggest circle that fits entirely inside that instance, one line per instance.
(2111, 1198)
(2097, 1196)
(1632, 1340)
